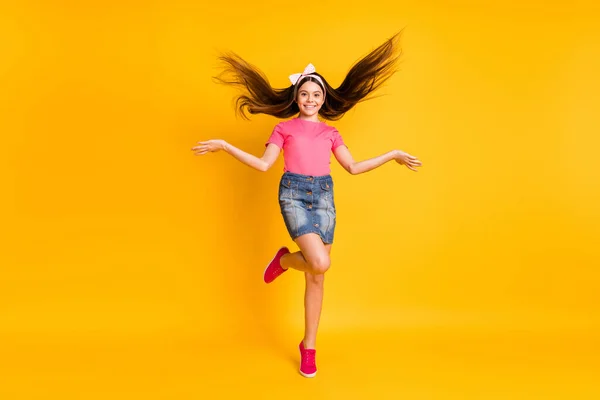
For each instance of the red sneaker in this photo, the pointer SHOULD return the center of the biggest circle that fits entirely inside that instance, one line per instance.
(274, 269)
(308, 365)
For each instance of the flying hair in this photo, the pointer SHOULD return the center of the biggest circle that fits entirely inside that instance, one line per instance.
(366, 76)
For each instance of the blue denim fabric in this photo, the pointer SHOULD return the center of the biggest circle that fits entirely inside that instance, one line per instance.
(307, 205)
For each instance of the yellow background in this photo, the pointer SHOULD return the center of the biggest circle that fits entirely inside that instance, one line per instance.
(132, 269)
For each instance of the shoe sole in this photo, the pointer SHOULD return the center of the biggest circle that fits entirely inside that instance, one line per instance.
(308, 375)
(269, 263)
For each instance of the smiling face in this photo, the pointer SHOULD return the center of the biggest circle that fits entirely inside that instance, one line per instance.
(310, 98)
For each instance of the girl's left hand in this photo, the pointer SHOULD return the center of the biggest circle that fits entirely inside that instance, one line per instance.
(411, 162)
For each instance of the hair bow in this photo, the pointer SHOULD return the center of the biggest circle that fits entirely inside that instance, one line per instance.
(308, 71)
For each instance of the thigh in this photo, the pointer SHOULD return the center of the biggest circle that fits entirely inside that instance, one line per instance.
(317, 278)
(312, 247)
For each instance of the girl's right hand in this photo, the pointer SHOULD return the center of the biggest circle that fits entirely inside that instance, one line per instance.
(209, 146)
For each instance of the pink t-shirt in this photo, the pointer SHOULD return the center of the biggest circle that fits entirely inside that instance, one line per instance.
(306, 145)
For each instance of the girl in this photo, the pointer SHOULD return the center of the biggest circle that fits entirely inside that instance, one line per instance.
(306, 194)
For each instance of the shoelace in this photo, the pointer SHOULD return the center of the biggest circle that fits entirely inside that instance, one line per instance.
(277, 271)
(308, 357)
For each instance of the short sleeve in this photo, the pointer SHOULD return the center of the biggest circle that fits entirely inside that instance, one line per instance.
(337, 140)
(276, 137)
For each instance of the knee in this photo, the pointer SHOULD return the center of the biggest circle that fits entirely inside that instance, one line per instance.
(320, 265)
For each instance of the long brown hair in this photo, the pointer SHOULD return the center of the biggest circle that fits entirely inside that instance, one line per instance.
(365, 76)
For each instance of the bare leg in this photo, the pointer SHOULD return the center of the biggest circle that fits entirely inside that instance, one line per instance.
(313, 256)
(313, 302)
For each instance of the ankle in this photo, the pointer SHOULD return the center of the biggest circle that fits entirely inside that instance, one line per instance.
(282, 261)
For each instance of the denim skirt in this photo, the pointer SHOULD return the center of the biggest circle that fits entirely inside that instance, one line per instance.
(307, 205)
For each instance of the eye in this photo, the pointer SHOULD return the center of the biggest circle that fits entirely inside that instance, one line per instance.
(317, 94)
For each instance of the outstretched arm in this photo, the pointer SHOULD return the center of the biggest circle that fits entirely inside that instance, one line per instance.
(342, 154)
(262, 164)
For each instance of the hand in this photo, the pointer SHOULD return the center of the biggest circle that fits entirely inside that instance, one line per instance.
(209, 145)
(411, 162)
